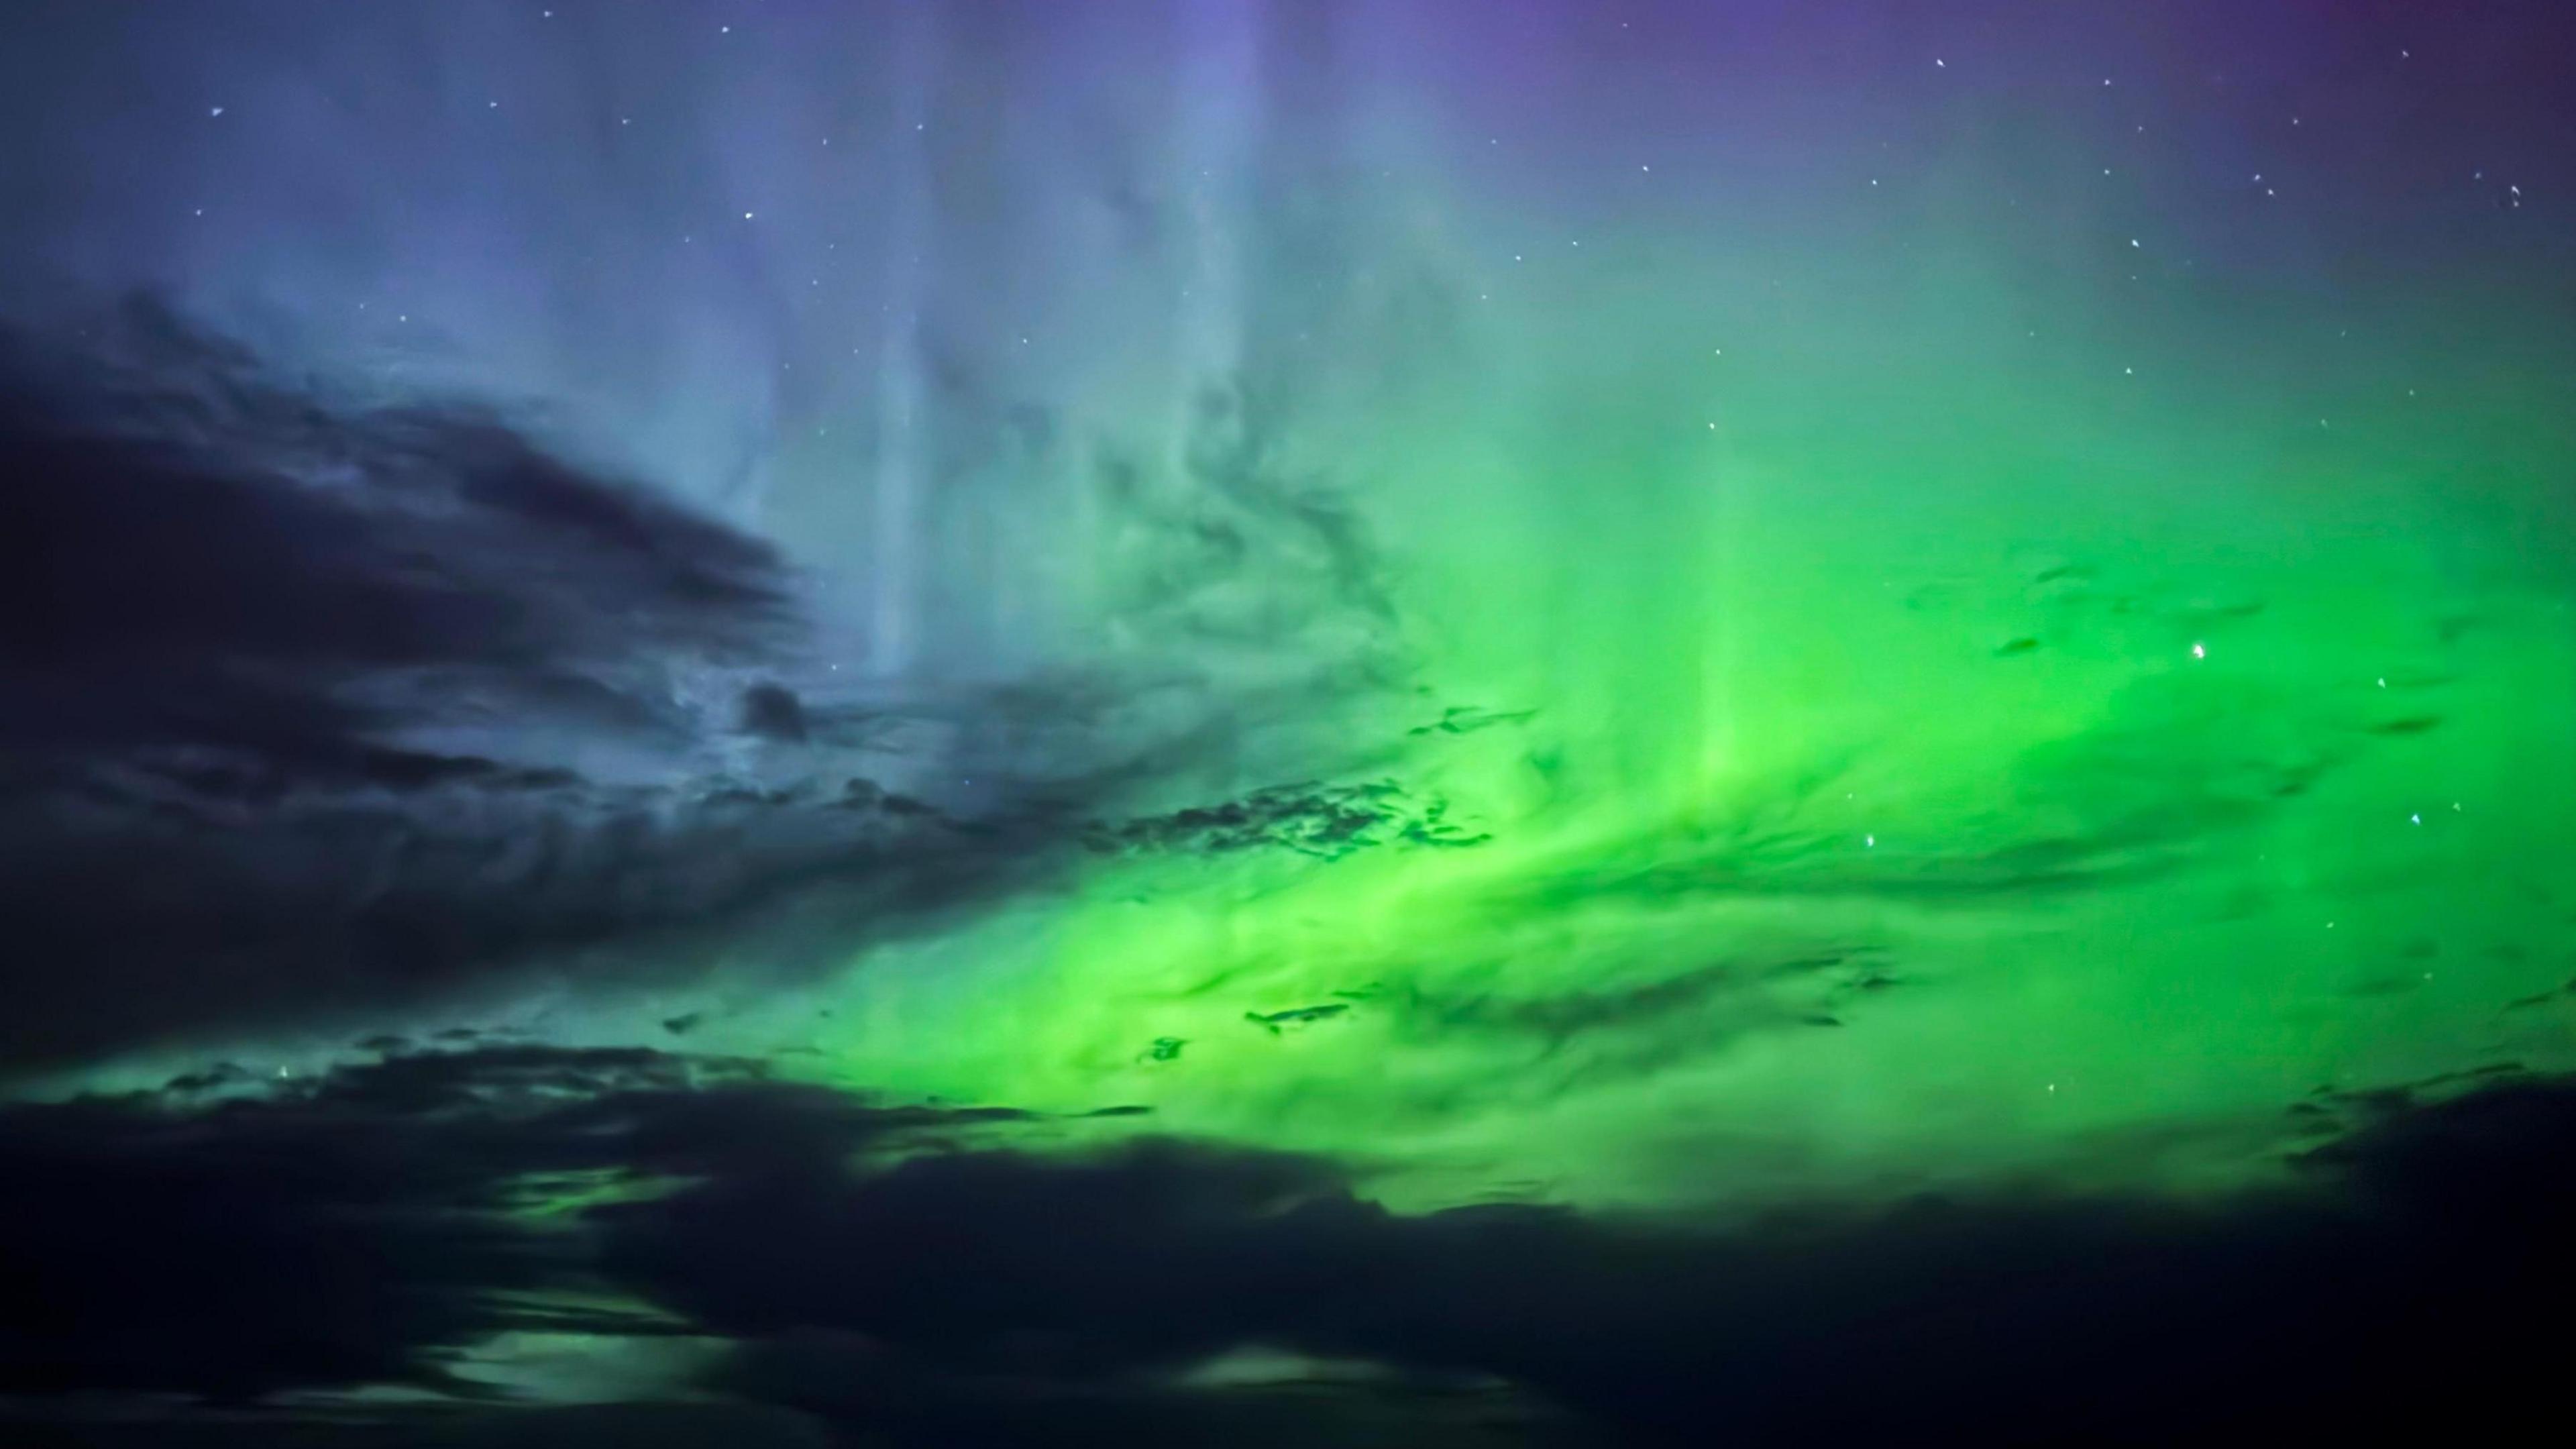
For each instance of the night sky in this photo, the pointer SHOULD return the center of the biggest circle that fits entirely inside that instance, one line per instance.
(1285, 722)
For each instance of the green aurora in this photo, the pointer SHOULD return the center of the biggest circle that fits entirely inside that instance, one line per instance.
(2064, 773)
(1833, 723)
(1792, 607)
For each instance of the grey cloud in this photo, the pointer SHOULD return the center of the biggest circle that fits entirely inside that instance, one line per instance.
(318, 708)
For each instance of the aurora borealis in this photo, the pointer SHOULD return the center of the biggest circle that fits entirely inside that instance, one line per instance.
(1284, 721)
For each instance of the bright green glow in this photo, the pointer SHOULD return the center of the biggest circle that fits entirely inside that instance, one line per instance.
(2134, 901)
(2096, 908)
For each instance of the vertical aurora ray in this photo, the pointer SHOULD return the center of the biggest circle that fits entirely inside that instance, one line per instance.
(1918, 617)
(1948, 690)
(900, 421)
(1284, 721)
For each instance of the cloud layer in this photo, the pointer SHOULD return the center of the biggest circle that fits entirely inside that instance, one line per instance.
(316, 704)
(924, 1272)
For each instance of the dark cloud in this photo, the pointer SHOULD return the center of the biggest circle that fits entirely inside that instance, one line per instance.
(673, 1424)
(2412, 1266)
(904, 1269)
(851, 1395)
(199, 555)
(1632, 1027)
(897, 1397)
(773, 711)
(1463, 719)
(1326, 821)
(332, 1232)
(239, 623)
(316, 706)
(1296, 1016)
(1240, 547)
(2141, 794)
